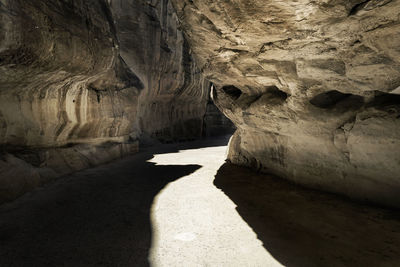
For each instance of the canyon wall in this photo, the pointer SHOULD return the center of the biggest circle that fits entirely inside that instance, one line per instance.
(173, 102)
(311, 85)
(83, 82)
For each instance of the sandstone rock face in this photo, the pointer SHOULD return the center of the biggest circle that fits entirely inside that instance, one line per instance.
(82, 81)
(172, 104)
(311, 85)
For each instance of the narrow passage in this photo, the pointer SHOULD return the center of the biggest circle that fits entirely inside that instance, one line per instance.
(182, 205)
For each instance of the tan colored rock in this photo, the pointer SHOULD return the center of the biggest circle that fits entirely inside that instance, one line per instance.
(311, 86)
(173, 101)
(81, 82)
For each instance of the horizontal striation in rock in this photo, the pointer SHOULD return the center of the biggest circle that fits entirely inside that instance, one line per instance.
(83, 82)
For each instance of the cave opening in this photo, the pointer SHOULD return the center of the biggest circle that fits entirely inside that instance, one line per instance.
(232, 91)
(276, 93)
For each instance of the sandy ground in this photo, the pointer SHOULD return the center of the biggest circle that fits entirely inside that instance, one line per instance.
(182, 205)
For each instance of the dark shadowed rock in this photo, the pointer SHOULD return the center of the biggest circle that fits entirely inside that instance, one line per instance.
(82, 81)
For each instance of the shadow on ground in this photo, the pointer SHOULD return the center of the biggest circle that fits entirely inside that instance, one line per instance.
(301, 227)
(98, 217)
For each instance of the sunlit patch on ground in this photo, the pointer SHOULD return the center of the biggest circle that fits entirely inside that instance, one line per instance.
(196, 224)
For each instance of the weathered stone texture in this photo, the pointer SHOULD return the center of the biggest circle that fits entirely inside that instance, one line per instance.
(82, 81)
(172, 104)
(311, 85)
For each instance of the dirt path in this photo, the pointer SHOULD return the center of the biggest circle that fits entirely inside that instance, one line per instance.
(180, 205)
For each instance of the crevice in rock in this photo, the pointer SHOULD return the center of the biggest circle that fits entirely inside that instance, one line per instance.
(386, 102)
(356, 42)
(332, 98)
(97, 91)
(274, 92)
(232, 91)
(356, 8)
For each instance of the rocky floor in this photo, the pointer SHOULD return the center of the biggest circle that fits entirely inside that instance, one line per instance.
(182, 205)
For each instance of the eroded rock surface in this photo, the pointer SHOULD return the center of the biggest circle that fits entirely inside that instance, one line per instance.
(172, 104)
(311, 85)
(82, 81)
